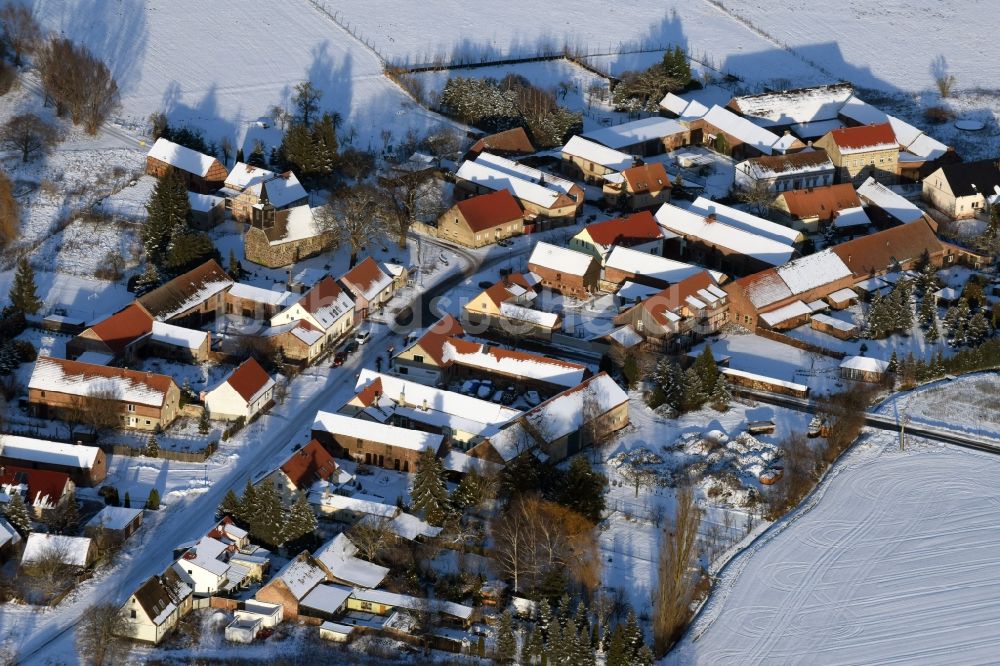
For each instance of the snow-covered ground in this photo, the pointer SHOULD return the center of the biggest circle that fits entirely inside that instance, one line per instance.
(893, 560)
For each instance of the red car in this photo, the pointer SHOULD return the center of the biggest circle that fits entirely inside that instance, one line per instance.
(339, 358)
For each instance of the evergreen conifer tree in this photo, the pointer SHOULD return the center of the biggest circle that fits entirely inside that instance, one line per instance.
(674, 386)
(893, 366)
(430, 495)
(239, 154)
(234, 268)
(153, 501)
(707, 369)
(22, 291)
(324, 145)
(127, 503)
(203, 423)
(230, 505)
(582, 489)
(17, 514)
(630, 370)
(721, 396)
(467, 492)
(632, 635)
(168, 211)
(928, 309)
(694, 393)
(149, 280)
(644, 657)
(152, 449)
(267, 521)
(978, 328)
(506, 646)
(617, 654)
(297, 149)
(301, 520)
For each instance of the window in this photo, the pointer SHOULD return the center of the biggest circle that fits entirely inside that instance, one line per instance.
(366, 605)
(147, 422)
(131, 407)
(132, 614)
(404, 371)
(418, 358)
(42, 393)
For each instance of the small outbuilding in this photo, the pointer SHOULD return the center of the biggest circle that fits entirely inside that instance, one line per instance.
(864, 369)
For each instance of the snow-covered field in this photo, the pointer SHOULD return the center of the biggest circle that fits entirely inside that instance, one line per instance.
(892, 561)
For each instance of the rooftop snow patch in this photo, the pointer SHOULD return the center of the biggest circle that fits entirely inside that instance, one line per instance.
(72, 550)
(741, 219)
(181, 157)
(864, 364)
(873, 192)
(686, 110)
(47, 452)
(178, 336)
(521, 313)
(74, 378)
(560, 259)
(249, 292)
(851, 217)
(516, 364)
(741, 128)
(339, 555)
(338, 424)
(833, 322)
(114, 517)
(595, 152)
(653, 266)
(635, 132)
(695, 225)
(801, 105)
(791, 311)
(813, 271)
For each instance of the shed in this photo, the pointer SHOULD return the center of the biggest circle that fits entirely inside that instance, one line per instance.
(120, 520)
(243, 630)
(270, 615)
(207, 210)
(838, 328)
(334, 631)
(863, 368)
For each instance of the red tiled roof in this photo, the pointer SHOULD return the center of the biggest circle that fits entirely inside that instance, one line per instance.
(490, 210)
(322, 294)
(41, 482)
(364, 275)
(864, 136)
(879, 250)
(646, 178)
(675, 295)
(248, 379)
(499, 354)
(370, 393)
(309, 464)
(432, 342)
(159, 383)
(636, 227)
(124, 327)
(821, 202)
(509, 142)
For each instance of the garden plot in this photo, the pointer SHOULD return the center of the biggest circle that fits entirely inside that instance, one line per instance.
(972, 405)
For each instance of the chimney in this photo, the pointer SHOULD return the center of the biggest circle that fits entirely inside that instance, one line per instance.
(710, 218)
(426, 406)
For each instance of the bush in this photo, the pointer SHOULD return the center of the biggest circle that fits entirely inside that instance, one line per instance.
(26, 351)
(937, 115)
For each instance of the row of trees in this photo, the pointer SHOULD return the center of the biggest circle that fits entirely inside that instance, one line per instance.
(642, 91)
(77, 82)
(688, 390)
(262, 512)
(497, 105)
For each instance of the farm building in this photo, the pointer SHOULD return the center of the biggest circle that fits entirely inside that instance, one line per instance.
(782, 173)
(862, 152)
(248, 391)
(248, 187)
(86, 465)
(482, 220)
(963, 190)
(374, 443)
(542, 195)
(810, 208)
(838, 328)
(864, 369)
(200, 172)
(638, 231)
(278, 238)
(193, 298)
(592, 161)
(42, 490)
(647, 136)
(207, 210)
(563, 270)
(638, 187)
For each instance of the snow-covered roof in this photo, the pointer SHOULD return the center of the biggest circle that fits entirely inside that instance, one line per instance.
(521, 313)
(741, 219)
(409, 527)
(851, 217)
(633, 291)
(327, 598)
(948, 293)
(307, 334)
(843, 295)
(577, 146)
(683, 108)
(114, 517)
(515, 364)
(833, 322)
(178, 336)
(204, 203)
(282, 189)
(560, 259)
(626, 336)
(72, 550)
(813, 271)
(801, 105)
(864, 364)
(786, 313)
(339, 555)
(814, 130)
(244, 175)
(819, 305)
(457, 461)
(807, 162)
(73, 378)
(871, 284)
(44, 451)
(300, 576)
(249, 292)
(651, 265)
(181, 157)
(561, 185)
(874, 192)
(497, 173)
(338, 424)
(8, 535)
(95, 357)
(731, 372)
(635, 132)
(386, 598)
(693, 224)
(300, 224)
(741, 128)
(362, 504)
(368, 278)
(909, 137)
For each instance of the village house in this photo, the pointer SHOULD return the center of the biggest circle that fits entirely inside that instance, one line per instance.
(482, 220)
(122, 336)
(807, 112)
(292, 583)
(392, 400)
(222, 562)
(422, 360)
(509, 143)
(322, 316)
(885, 207)
(86, 465)
(625, 264)
(153, 610)
(562, 425)
(248, 391)
(864, 369)
(371, 285)
(919, 153)
(861, 152)
(120, 521)
(563, 270)
(436, 358)
(684, 110)
(250, 302)
(374, 443)
(638, 187)
(72, 551)
(339, 556)
(780, 173)
(787, 296)
(741, 219)
(705, 239)
(964, 190)
(142, 400)
(729, 134)
(42, 490)
(248, 186)
(278, 238)
(592, 161)
(678, 316)
(200, 172)
(544, 197)
(207, 210)
(309, 465)
(192, 299)
(644, 137)
(505, 310)
(638, 231)
(810, 209)
(382, 602)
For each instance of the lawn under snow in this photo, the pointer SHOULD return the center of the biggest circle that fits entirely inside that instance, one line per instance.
(893, 560)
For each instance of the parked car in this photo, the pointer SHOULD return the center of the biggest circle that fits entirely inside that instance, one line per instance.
(485, 390)
(508, 396)
(497, 396)
(532, 398)
(505, 242)
(339, 358)
(470, 387)
(351, 347)
(362, 336)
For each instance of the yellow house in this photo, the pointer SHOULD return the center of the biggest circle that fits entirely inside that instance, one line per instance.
(860, 152)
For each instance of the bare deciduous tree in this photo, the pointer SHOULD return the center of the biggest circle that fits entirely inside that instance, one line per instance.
(29, 134)
(100, 635)
(306, 101)
(20, 30)
(226, 146)
(443, 144)
(48, 571)
(757, 197)
(353, 218)
(409, 198)
(676, 578)
(77, 82)
(371, 535)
